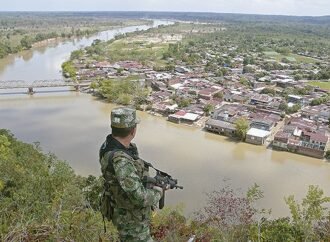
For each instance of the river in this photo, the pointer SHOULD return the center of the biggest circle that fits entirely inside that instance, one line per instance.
(73, 125)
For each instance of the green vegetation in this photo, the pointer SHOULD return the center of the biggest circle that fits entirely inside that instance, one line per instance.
(289, 110)
(327, 154)
(263, 44)
(19, 31)
(232, 216)
(318, 101)
(147, 50)
(153, 48)
(141, 51)
(124, 92)
(269, 91)
(41, 199)
(297, 91)
(208, 108)
(218, 48)
(242, 126)
(69, 70)
(323, 85)
(289, 57)
(244, 82)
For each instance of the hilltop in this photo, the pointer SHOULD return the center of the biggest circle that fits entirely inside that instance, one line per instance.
(42, 199)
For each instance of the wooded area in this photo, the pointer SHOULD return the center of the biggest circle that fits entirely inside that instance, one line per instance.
(20, 30)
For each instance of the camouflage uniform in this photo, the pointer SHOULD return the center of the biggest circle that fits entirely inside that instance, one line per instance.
(131, 201)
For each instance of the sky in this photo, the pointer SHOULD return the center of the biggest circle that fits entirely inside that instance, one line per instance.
(277, 7)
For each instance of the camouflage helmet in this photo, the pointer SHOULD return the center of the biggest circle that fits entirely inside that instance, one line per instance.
(123, 117)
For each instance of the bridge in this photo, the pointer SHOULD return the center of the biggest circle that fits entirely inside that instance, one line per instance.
(30, 86)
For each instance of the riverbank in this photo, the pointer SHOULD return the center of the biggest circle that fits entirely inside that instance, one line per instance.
(124, 23)
(74, 125)
(185, 85)
(20, 33)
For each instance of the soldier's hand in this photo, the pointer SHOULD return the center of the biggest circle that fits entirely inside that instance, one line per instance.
(160, 189)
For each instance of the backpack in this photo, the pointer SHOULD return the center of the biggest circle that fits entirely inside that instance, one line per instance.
(106, 208)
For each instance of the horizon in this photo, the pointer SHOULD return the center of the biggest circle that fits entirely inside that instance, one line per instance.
(299, 8)
(156, 11)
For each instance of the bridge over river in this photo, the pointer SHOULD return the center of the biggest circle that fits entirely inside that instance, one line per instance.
(31, 86)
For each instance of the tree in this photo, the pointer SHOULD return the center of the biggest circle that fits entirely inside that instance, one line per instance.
(248, 69)
(94, 85)
(26, 42)
(184, 102)
(4, 49)
(268, 90)
(229, 212)
(76, 54)
(208, 108)
(283, 51)
(327, 154)
(69, 70)
(169, 224)
(242, 125)
(311, 211)
(97, 48)
(218, 95)
(96, 42)
(318, 101)
(295, 108)
(41, 199)
(39, 37)
(169, 67)
(123, 91)
(277, 230)
(124, 99)
(219, 73)
(248, 61)
(244, 81)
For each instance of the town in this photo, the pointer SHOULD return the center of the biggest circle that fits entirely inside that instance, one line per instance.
(200, 74)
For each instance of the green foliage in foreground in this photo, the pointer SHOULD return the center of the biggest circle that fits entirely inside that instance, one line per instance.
(231, 216)
(41, 199)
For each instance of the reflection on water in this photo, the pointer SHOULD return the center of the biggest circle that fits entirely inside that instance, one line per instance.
(41, 63)
(6, 62)
(27, 55)
(74, 125)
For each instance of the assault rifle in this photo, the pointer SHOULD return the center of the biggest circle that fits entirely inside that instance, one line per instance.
(161, 179)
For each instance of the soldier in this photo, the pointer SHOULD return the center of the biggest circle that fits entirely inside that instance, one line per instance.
(130, 202)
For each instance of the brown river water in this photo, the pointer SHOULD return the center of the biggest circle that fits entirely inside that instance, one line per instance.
(73, 126)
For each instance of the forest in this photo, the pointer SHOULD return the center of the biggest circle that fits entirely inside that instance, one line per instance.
(20, 30)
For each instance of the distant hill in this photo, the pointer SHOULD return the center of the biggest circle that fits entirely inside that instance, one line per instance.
(228, 17)
(191, 16)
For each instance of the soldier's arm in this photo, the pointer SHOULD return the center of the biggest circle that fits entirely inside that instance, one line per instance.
(131, 183)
